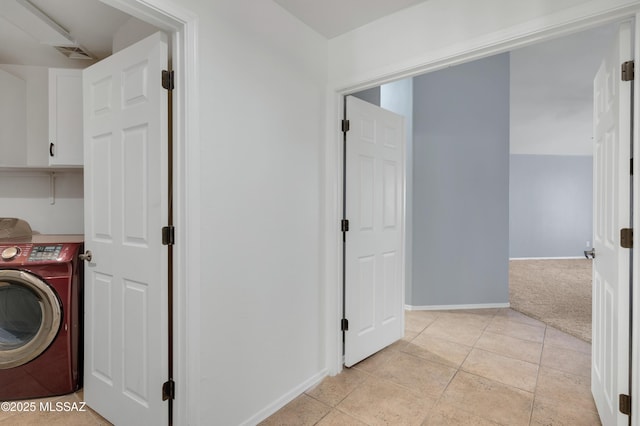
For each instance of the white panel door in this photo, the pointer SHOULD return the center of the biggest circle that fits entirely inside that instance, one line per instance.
(374, 256)
(125, 117)
(612, 151)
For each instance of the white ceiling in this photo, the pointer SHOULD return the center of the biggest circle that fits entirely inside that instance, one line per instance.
(334, 17)
(90, 22)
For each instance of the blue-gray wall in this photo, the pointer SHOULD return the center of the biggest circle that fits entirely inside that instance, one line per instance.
(370, 95)
(551, 205)
(461, 185)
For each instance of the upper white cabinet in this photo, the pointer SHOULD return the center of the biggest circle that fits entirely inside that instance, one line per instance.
(40, 106)
(13, 120)
(65, 117)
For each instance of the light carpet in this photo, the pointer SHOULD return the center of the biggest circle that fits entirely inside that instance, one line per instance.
(556, 292)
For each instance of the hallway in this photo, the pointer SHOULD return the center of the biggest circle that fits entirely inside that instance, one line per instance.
(473, 367)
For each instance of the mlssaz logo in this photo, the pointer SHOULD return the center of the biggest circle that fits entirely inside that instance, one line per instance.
(64, 406)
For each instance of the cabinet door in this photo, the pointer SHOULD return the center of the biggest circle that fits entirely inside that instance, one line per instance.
(65, 117)
(13, 121)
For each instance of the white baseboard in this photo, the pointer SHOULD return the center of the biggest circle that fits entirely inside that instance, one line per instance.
(285, 399)
(546, 258)
(456, 307)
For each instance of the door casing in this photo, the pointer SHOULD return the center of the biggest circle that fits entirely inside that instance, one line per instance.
(181, 24)
(476, 49)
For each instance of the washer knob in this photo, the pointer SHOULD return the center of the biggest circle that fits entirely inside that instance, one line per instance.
(9, 253)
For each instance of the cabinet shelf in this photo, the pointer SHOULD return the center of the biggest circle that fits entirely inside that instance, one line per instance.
(50, 172)
(40, 169)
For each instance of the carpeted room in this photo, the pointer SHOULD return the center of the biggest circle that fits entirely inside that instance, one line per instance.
(551, 180)
(554, 291)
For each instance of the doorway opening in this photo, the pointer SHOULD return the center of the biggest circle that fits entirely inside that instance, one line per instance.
(589, 109)
(551, 181)
(549, 174)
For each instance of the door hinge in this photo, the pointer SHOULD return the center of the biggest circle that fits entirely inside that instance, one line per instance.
(624, 404)
(168, 236)
(168, 390)
(344, 225)
(631, 166)
(345, 125)
(344, 324)
(628, 71)
(167, 80)
(626, 238)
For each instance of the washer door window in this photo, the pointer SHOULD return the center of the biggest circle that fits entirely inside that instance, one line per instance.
(30, 317)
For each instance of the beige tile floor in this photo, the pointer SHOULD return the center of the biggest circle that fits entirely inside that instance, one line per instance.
(480, 367)
(50, 417)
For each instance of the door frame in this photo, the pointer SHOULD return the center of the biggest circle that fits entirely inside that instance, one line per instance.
(182, 26)
(477, 48)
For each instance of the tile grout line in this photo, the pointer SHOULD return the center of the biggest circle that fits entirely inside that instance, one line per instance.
(402, 350)
(458, 370)
(437, 400)
(535, 389)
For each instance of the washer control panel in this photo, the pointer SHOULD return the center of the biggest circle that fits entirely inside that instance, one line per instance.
(48, 252)
(39, 252)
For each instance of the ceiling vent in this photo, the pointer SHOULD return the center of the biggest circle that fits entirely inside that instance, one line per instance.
(74, 52)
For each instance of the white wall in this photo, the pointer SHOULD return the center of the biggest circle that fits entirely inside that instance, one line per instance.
(28, 195)
(262, 97)
(429, 34)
